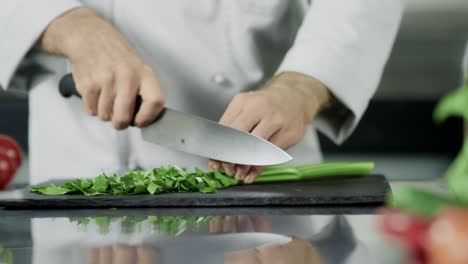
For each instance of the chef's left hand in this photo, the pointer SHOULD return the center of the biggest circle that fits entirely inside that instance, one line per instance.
(279, 112)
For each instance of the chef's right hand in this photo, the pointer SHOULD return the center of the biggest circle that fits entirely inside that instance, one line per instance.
(108, 72)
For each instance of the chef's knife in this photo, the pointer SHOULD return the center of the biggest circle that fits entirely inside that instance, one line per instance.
(202, 137)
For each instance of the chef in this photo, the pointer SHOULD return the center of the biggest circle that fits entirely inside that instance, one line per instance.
(275, 68)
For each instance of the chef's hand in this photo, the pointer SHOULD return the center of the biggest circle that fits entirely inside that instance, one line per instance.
(122, 254)
(108, 72)
(279, 112)
(296, 251)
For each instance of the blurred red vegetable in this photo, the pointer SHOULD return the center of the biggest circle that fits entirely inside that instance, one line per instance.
(10, 160)
(441, 240)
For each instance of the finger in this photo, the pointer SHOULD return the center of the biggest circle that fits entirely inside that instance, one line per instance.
(253, 173)
(245, 224)
(280, 139)
(91, 98)
(245, 122)
(105, 255)
(123, 254)
(229, 168)
(153, 101)
(261, 224)
(229, 225)
(92, 256)
(146, 255)
(124, 104)
(232, 111)
(214, 165)
(266, 128)
(106, 103)
(241, 171)
(215, 225)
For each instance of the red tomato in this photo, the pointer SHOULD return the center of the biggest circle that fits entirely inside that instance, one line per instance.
(11, 149)
(7, 170)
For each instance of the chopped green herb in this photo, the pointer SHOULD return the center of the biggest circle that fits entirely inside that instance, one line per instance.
(153, 181)
(176, 179)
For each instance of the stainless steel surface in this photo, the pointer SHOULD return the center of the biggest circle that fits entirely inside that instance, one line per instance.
(333, 239)
(209, 139)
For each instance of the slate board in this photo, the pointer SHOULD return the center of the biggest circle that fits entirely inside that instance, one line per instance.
(348, 190)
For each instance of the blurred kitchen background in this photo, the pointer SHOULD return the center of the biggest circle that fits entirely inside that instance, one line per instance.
(397, 131)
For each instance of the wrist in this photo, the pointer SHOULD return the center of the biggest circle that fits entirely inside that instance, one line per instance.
(310, 92)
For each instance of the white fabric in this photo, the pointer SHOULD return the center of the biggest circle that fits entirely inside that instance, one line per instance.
(204, 52)
(465, 64)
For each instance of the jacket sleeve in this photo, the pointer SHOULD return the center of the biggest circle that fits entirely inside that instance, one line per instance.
(21, 24)
(465, 64)
(345, 45)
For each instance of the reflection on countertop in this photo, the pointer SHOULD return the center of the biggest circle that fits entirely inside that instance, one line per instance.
(145, 236)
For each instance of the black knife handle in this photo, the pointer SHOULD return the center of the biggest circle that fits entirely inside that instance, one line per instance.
(67, 86)
(67, 89)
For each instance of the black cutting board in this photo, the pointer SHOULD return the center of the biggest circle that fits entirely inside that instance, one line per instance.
(346, 190)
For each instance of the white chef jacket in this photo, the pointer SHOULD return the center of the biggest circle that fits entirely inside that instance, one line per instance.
(203, 52)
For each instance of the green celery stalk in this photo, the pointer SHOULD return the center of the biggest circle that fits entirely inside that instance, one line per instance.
(277, 178)
(335, 169)
(289, 173)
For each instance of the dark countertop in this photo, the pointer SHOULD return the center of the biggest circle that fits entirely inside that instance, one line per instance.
(203, 235)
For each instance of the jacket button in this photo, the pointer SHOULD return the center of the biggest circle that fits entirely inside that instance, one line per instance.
(221, 80)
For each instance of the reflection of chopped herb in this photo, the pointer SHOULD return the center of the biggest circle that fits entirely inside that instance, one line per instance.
(170, 225)
(103, 223)
(129, 223)
(153, 181)
(7, 255)
(80, 220)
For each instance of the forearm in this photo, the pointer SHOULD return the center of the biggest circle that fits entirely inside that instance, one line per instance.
(77, 31)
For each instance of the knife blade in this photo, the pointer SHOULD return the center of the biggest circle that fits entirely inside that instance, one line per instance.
(201, 137)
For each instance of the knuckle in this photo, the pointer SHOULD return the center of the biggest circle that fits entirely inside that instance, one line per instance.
(106, 79)
(277, 120)
(92, 89)
(125, 71)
